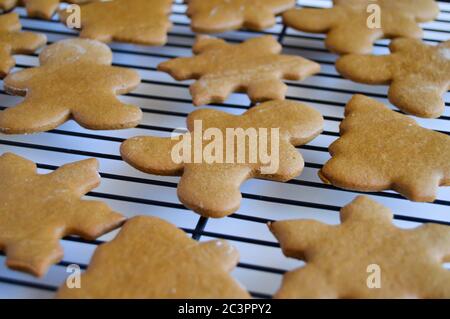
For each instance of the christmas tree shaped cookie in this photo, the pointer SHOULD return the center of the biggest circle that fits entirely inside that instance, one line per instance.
(366, 256)
(380, 149)
(151, 258)
(254, 66)
(38, 210)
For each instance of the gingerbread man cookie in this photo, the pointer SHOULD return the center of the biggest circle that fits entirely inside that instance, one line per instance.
(254, 66)
(14, 41)
(157, 260)
(75, 80)
(135, 21)
(214, 16)
(221, 151)
(38, 210)
(366, 256)
(352, 26)
(44, 9)
(381, 149)
(419, 74)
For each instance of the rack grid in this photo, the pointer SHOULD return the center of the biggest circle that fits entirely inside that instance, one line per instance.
(165, 104)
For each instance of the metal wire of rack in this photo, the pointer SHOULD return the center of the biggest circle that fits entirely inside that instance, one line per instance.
(165, 104)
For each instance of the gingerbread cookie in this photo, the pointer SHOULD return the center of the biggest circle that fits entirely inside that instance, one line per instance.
(44, 9)
(366, 256)
(14, 41)
(157, 260)
(38, 210)
(254, 66)
(214, 162)
(381, 149)
(135, 21)
(419, 74)
(214, 16)
(352, 26)
(75, 80)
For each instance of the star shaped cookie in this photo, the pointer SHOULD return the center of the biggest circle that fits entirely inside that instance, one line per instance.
(254, 66)
(418, 74)
(221, 151)
(214, 16)
(14, 41)
(151, 258)
(135, 21)
(380, 149)
(366, 256)
(75, 80)
(351, 25)
(36, 211)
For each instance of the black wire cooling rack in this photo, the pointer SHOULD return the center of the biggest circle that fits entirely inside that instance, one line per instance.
(165, 104)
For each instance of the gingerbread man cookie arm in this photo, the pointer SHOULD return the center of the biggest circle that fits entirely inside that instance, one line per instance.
(152, 155)
(440, 236)
(220, 253)
(205, 21)
(224, 198)
(297, 236)
(370, 69)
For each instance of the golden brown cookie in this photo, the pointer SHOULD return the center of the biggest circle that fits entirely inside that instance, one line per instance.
(254, 66)
(343, 261)
(214, 16)
(346, 23)
(135, 21)
(75, 80)
(381, 149)
(14, 41)
(211, 179)
(38, 210)
(151, 258)
(38, 8)
(419, 74)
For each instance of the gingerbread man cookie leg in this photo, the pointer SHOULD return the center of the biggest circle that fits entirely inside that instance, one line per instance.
(39, 210)
(41, 8)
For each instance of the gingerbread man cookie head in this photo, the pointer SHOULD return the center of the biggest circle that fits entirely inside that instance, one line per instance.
(151, 258)
(419, 74)
(353, 26)
(254, 66)
(14, 41)
(366, 256)
(223, 151)
(135, 21)
(38, 210)
(78, 51)
(214, 16)
(75, 80)
(380, 149)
